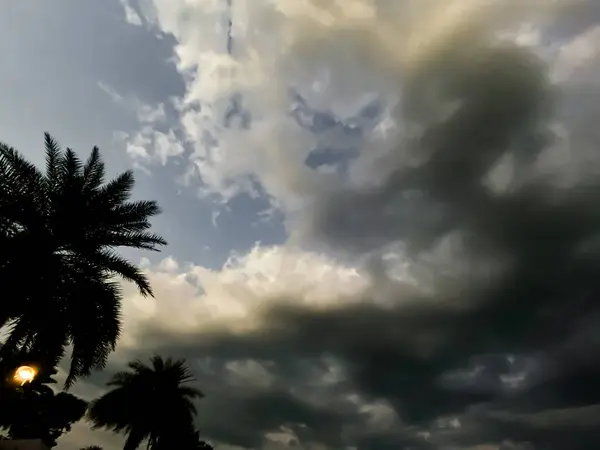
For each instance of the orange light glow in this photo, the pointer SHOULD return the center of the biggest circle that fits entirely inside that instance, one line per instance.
(25, 374)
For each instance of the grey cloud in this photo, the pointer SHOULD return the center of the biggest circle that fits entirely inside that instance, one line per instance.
(553, 429)
(500, 91)
(373, 348)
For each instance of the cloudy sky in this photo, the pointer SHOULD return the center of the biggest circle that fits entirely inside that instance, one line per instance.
(380, 214)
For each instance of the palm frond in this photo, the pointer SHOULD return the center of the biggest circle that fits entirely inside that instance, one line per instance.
(120, 379)
(129, 217)
(50, 341)
(159, 364)
(110, 411)
(52, 160)
(134, 439)
(22, 193)
(118, 265)
(18, 330)
(191, 392)
(139, 240)
(71, 166)
(188, 405)
(94, 335)
(136, 211)
(138, 367)
(118, 190)
(18, 173)
(94, 171)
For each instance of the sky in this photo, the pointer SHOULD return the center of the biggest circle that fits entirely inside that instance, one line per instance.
(380, 214)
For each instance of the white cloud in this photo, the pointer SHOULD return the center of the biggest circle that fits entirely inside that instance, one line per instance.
(147, 115)
(190, 298)
(114, 95)
(168, 265)
(149, 145)
(577, 54)
(131, 15)
(275, 149)
(151, 115)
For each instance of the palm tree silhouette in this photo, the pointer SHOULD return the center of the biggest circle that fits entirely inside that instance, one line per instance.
(58, 234)
(150, 402)
(184, 440)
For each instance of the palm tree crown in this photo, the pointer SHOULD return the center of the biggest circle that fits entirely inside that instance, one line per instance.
(58, 234)
(150, 402)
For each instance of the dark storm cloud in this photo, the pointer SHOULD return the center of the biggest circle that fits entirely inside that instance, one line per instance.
(501, 93)
(547, 235)
(556, 429)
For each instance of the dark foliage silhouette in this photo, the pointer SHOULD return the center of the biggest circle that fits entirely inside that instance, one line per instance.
(150, 402)
(59, 231)
(34, 410)
(185, 440)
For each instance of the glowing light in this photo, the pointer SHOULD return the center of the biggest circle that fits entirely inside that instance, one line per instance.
(25, 374)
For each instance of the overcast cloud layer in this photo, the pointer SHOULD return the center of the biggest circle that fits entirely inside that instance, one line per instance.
(382, 214)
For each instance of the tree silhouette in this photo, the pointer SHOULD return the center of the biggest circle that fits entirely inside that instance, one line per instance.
(58, 234)
(183, 439)
(150, 402)
(33, 410)
(92, 447)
